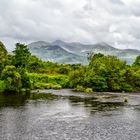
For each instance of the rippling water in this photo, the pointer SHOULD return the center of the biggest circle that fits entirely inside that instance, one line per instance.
(64, 115)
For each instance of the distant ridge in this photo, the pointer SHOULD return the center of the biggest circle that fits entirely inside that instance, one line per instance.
(75, 52)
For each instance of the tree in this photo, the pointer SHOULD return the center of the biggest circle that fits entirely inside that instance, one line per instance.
(21, 55)
(132, 77)
(109, 69)
(76, 77)
(94, 81)
(35, 64)
(3, 56)
(137, 61)
(10, 58)
(25, 80)
(92, 57)
(12, 79)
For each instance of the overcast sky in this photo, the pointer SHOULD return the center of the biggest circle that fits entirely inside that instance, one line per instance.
(116, 22)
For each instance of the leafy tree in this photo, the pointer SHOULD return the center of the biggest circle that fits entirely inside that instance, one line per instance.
(11, 78)
(25, 80)
(10, 58)
(3, 56)
(104, 73)
(94, 81)
(93, 57)
(137, 61)
(35, 64)
(21, 55)
(132, 77)
(109, 68)
(63, 69)
(76, 77)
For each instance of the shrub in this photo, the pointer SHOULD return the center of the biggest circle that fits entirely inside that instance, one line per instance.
(79, 88)
(60, 80)
(2, 85)
(35, 77)
(12, 79)
(46, 86)
(26, 84)
(88, 90)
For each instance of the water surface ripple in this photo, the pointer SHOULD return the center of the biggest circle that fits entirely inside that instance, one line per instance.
(64, 115)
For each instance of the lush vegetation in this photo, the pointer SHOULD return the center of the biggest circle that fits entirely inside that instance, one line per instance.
(21, 71)
(107, 73)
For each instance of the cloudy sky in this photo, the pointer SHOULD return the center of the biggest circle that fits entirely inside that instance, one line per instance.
(116, 22)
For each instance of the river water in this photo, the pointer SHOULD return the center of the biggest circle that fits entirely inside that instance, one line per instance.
(64, 115)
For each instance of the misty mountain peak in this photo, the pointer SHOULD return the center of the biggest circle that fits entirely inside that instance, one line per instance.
(65, 52)
(38, 44)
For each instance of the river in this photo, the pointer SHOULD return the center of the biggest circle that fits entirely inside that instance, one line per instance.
(65, 115)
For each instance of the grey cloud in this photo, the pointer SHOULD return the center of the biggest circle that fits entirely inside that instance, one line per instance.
(88, 21)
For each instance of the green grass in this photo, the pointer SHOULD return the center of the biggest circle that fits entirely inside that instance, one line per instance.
(61, 80)
(46, 86)
(36, 77)
(45, 81)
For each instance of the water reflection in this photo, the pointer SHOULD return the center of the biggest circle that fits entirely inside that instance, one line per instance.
(16, 100)
(94, 104)
(68, 115)
(13, 99)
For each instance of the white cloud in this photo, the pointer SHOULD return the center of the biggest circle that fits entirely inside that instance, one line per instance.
(86, 21)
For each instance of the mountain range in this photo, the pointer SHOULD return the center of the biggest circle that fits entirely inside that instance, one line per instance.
(74, 53)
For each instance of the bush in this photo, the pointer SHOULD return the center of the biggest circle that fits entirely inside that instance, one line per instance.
(79, 88)
(46, 86)
(36, 77)
(60, 80)
(12, 79)
(83, 89)
(76, 77)
(2, 85)
(26, 84)
(44, 80)
(88, 90)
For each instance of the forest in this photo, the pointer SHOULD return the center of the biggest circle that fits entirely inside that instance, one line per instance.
(21, 71)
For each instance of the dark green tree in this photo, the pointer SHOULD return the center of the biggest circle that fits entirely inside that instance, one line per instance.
(132, 78)
(76, 77)
(3, 56)
(137, 61)
(21, 56)
(25, 80)
(35, 64)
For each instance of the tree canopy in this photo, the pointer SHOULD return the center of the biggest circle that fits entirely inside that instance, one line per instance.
(3, 56)
(21, 55)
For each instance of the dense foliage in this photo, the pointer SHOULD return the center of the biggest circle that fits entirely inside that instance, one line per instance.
(107, 73)
(13, 68)
(22, 71)
(21, 55)
(12, 79)
(3, 56)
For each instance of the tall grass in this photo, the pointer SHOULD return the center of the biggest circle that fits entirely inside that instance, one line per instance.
(45, 81)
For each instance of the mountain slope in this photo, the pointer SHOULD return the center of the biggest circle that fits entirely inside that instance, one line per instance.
(63, 52)
(54, 53)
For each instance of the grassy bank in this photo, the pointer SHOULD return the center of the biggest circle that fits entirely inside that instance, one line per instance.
(45, 81)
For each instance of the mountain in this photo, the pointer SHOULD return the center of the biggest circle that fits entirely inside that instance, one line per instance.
(75, 52)
(55, 53)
